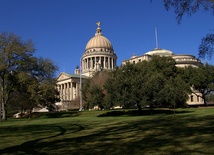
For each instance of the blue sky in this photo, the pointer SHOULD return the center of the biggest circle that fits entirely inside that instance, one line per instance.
(60, 29)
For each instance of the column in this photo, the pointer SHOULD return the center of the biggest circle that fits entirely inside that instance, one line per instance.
(85, 64)
(104, 63)
(91, 66)
(63, 91)
(101, 63)
(60, 92)
(108, 62)
(88, 66)
(71, 91)
(77, 89)
(69, 94)
(89, 63)
(74, 90)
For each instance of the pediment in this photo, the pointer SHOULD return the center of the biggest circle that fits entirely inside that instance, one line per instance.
(63, 76)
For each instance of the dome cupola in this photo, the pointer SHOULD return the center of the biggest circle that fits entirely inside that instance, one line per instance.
(98, 41)
(99, 54)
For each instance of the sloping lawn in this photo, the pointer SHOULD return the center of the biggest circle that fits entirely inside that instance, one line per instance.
(190, 131)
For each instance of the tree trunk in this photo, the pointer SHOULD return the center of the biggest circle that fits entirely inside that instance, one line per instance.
(4, 112)
(30, 112)
(174, 109)
(1, 112)
(204, 98)
(1, 104)
(139, 108)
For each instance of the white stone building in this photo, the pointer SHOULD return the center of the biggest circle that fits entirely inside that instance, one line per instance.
(99, 55)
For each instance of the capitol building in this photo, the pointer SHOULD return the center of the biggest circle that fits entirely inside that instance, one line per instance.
(100, 55)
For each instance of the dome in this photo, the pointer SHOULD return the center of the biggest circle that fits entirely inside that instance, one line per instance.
(133, 56)
(159, 51)
(99, 41)
(98, 55)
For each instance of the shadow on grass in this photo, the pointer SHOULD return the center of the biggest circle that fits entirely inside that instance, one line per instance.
(34, 146)
(186, 134)
(144, 112)
(60, 114)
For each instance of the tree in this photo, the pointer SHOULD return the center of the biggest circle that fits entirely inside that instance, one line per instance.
(189, 7)
(200, 79)
(13, 54)
(148, 83)
(96, 97)
(164, 87)
(93, 90)
(124, 86)
(38, 84)
(206, 48)
(177, 93)
(23, 74)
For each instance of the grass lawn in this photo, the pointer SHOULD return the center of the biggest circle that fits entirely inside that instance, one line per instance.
(190, 131)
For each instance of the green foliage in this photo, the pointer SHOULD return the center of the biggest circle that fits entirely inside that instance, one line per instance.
(93, 91)
(189, 7)
(96, 98)
(25, 81)
(206, 48)
(155, 84)
(210, 98)
(203, 80)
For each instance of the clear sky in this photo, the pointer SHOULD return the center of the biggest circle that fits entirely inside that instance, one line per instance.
(60, 29)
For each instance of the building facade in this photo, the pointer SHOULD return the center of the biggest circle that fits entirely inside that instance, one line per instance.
(98, 55)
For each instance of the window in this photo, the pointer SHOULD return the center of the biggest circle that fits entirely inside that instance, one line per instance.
(191, 98)
(198, 98)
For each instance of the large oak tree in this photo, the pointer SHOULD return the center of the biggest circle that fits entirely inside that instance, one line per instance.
(21, 72)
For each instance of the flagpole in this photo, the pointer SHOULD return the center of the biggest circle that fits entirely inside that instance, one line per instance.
(81, 108)
(156, 37)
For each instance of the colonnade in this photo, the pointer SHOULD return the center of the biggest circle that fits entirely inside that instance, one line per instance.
(106, 62)
(68, 91)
